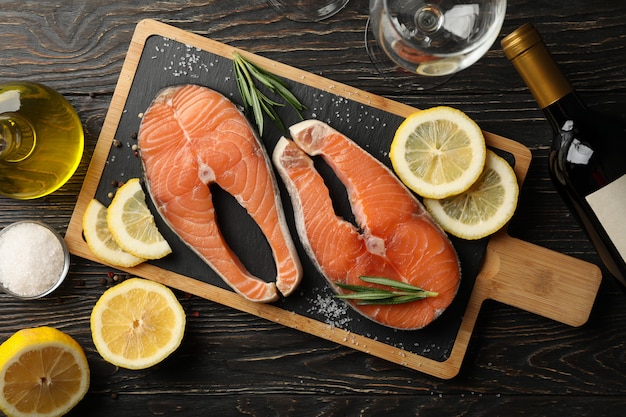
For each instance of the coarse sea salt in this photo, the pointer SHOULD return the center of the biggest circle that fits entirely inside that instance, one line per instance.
(32, 259)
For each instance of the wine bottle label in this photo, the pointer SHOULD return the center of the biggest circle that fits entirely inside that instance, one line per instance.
(608, 204)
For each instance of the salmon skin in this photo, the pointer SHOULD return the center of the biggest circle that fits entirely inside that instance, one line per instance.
(191, 137)
(396, 238)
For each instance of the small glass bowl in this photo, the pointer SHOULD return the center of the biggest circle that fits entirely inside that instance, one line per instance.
(66, 261)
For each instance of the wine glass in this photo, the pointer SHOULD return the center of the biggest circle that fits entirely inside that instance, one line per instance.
(423, 43)
(41, 140)
(308, 10)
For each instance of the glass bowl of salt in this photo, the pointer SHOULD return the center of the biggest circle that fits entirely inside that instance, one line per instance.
(34, 259)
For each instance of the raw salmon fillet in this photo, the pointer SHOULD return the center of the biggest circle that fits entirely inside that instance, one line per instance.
(396, 238)
(191, 137)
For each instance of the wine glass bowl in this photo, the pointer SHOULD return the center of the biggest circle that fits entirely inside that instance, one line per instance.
(308, 10)
(434, 38)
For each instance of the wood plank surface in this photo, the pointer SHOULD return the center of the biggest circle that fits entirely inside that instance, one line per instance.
(233, 363)
(541, 288)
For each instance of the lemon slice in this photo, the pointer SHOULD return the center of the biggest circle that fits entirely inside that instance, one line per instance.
(137, 324)
(43, 372)
(100, 240)
(485, 207)
(438, 152)
(132, 225)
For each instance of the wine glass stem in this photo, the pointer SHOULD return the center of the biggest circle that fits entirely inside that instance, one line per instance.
(429, 19)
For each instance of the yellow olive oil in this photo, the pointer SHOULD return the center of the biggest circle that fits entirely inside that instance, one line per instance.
(41, 140)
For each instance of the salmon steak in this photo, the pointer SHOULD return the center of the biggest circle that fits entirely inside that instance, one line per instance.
(394, 236)
(191, 137)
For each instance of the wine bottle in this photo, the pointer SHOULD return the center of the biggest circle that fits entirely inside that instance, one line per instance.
(587, 158)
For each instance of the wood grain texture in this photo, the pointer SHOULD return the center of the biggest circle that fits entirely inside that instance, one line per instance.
(553, 285)
(232, 363)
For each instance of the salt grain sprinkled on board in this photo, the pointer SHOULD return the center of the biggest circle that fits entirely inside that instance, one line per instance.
(334, 311)
(187, 60)
(31, 259)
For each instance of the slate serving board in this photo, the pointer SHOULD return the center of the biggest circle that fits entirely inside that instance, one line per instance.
(160, 56)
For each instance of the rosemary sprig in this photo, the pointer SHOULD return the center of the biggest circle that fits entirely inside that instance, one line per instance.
(399, 293)
(247, 74)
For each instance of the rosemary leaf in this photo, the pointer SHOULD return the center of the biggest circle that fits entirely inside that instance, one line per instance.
(391, 283)
(262, 77)
(356, 288)
(284, 92)
(367, 295)
(254, 100)
(398, 293)
(244, 91)
(392, 301)
(271, 112)
(280, 86)
(256, 110)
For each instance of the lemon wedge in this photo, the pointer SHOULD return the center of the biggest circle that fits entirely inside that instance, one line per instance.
(438, 152)
(132, 225)
(100, 240)
(137, 324)
(485, 207)
(43, 372)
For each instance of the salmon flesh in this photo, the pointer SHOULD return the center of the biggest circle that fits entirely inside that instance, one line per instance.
(396, 238)
(191, 137)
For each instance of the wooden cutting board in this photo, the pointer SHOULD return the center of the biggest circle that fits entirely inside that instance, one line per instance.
(501, 268)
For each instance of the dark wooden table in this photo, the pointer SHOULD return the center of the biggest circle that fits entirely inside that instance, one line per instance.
(231, 363)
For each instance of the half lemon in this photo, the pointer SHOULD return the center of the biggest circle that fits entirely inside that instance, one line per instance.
(485, 207)
(438, 152)
(137, 324)
(43, 372)
(101, 241)
(132, 225)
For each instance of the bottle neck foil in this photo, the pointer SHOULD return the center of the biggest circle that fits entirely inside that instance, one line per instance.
(529, 55)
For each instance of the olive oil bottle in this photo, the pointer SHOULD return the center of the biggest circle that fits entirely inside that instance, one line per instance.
(41, 140)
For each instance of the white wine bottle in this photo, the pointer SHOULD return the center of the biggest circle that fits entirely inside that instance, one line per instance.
(588, 154)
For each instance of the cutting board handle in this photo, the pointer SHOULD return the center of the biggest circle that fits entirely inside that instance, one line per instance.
(539, 280)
